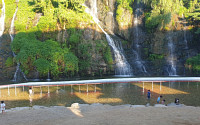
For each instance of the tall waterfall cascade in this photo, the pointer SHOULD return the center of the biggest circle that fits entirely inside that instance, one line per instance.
(2, 18)
(185, 41)
(171, 59)
(122, 66)
(139, 63)
(185, 37)
(18, 71)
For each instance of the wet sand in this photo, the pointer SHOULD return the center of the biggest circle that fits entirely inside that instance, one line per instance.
(98, 114)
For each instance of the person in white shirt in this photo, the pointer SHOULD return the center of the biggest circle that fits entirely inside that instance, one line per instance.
(30, 92)
(3, 107)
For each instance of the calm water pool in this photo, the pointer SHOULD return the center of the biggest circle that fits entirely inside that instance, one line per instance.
(108, 93)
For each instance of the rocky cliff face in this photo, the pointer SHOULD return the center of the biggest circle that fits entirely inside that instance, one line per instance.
(6, 73)
(153, 47)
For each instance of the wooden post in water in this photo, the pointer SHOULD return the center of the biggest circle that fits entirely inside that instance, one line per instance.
(94, 87)
(40, 91)
(188, 84)
(48, 89)
(160, 86)
(152, 86)
(71, 90)
(143, 88)
(87, 88)
(48, 92)
(32, 90)
(15, 91)
(8, 91)
(57, 89)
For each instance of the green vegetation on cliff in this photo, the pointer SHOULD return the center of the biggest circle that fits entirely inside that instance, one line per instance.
(193, 15)
(193, 63)
(38, 47)
(45, 56)
(10, 7)
(123, 7)
(161, 13)
(51, 35)
(0, 6)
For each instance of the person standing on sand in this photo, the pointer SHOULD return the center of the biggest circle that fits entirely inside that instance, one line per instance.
(3, 107)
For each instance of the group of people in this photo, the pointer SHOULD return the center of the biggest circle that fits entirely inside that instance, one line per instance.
(159, 98)
(3, 105)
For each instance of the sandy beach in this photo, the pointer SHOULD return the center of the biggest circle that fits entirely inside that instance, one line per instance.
(98, 114)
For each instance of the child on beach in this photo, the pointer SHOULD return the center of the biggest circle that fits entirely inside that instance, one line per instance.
(163, 101)
(3, 107)
(176, 101)
(158, 100)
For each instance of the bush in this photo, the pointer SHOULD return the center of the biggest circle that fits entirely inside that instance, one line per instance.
(194, 63)
(42, 65)
(74, 38)
(108, 56)
(71, 63)
(156, 57)
(9, 62)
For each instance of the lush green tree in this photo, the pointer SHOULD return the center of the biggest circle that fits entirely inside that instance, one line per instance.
(84, 56)
(122, 7)
(35, 46)
(42, 66)
(194, 63)
(161, 13)
(71, 63)
(45, 56)
(76, 5)
(193, 14)
(9, 62)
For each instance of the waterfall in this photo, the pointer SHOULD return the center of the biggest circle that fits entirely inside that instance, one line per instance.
(12, 37)
(186, 49)
(139, 63)
(2, 18)
(48, 77)
(171, 69)
(122, 66)
(185, 37)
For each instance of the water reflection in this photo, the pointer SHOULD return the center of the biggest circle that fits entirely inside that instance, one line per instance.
(112, 93)
(159, 89)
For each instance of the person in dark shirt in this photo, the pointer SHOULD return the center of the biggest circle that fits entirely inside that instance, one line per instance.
(176, 101)
(148, 94)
